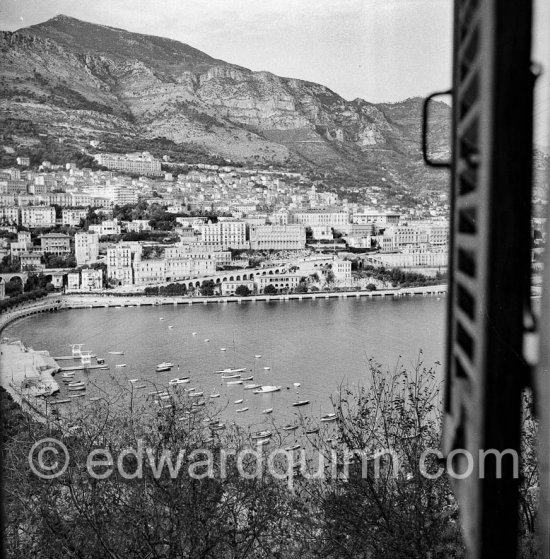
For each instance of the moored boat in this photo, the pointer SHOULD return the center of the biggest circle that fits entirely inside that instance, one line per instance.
(251, 386)
(215, 395)
(116, 352)
(230, 375)
(300, 403)
(234, 382)
(164, 366)
(240, 410)
(293, 447)
(261, 435)
(238, 401)
(266, 389)
(230, 370)
(328, 417)
(195, 394)
(180, 380)
(268, 410)
(290, 427)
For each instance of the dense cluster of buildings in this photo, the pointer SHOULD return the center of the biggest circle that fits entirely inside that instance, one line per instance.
(257, 210)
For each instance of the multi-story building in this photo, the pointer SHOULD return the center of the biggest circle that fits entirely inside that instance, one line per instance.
(9, 215)
(149, 271)
(225, 235)
(228, 288)
(72, 216)
(137, 225)
(377, 217)
(73, 281)
(22, 245)
(310, 218)
(91, 280)
(31, 261)
(281, 282)
(341, 270)
(119, 263)
(277, 237)
(37, 216)
(86, 247)
(139, 163)
(107, 227)
(56, 243)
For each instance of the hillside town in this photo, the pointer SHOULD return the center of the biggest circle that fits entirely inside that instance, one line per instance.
(130, 226)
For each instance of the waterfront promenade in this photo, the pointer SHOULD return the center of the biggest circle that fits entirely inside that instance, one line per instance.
(98, 300)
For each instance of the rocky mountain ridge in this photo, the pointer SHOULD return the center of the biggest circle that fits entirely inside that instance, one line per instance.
(79, 80)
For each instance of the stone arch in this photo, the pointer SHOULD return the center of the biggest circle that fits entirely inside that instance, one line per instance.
(191, 286)
(238, 278)
(270, 272)
(224, 278)
(231, 278)
(218, 280)
(198, 284)
(263, 273)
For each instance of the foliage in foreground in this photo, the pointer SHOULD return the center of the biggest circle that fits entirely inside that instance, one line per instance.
(371, 513)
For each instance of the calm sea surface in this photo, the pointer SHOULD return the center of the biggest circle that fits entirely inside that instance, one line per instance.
(319, 344)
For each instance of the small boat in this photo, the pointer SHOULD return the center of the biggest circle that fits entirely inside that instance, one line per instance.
(76, 383)
(164, 366)
(268, 410)
(293, 447)
(116, 352)
(231, 371)
(76, 395)
(100, 361)
(233, 375)
(206, 339)
(104, 368)
(261, 435)
(170, 327)
(214, 395)
(262, 442)
(197, 404)
(140, 386)
(312, 431)
(195, 394)
(267, 389)
(181, 380)
(83, 387)
(132, 380)
(161, 318)
(190, 389)
(217, 427)
(251, 386)
(257, 356)
(194, 334)
(157, 392)
(95, 398)
(301, 403)
(247, 378)
(290, 427)
(238, 401)
(329, 417)
(68, 375)
(297, 384)
(52, 402)
(119, 366)
(223, 349)
(234, 382)
(267, 368)
(240, 410)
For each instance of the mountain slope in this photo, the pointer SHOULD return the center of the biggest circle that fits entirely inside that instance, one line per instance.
(80, 80)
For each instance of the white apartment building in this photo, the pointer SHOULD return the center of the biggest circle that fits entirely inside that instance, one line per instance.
(86, 247)
(281, 282)
(410, 259)
(37, 216)
(342, 270)
(9, 215)
(91, 280)
(140, 163)
(107, 227)
(119, 263)
(137, 225)
(72, 217)
(311, 218)
(73, 281)
(377, 217)
(225, 235)
(277, 237)
(149, 271)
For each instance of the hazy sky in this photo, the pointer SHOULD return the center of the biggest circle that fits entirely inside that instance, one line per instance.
(381, 50)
